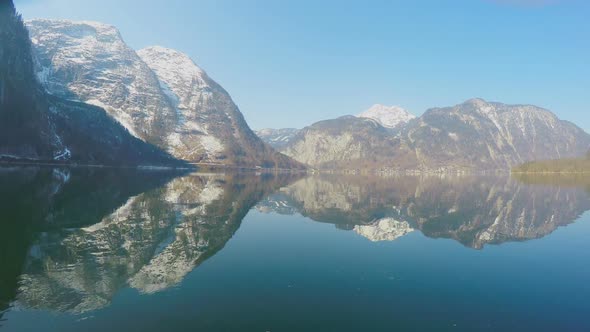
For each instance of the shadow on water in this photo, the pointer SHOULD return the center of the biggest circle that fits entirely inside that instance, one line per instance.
(71, 239)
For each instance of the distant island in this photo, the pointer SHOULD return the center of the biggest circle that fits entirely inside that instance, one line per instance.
(569, 165)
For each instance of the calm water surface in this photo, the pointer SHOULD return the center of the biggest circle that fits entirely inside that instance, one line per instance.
(104, 250)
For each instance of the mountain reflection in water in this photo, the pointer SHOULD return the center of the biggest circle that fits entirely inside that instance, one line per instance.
(474, 211)
(73, 238)
(88, 233)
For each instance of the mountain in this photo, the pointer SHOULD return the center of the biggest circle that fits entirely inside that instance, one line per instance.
(475, 135)
(391, 117)
(41, 127)
(277, 138)
(388, 116)
(348, 143)
(488, 135)
(160, 95)
(211, 127)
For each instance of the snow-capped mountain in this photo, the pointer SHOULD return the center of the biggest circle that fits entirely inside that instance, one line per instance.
(35, 125)
(90, 62)
(160, 95)
(388, 116)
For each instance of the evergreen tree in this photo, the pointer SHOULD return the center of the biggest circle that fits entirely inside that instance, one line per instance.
(24, 123)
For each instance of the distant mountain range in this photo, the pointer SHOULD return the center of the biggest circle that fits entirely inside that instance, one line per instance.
(474, 135)
(76, 92)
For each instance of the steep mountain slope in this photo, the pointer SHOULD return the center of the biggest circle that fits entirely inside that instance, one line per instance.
(475, 135)
(41, 127)
(277, 138)
(158, 94)
(391, 117)
(211, 128)
(388, 116)
(349, 142)
(487, 135)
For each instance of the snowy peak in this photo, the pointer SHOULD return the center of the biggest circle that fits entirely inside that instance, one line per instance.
(80, 40)
(159, 54)
(75, 29)
(388, 116)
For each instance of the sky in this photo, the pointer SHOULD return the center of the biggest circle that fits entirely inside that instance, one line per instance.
(292, 63)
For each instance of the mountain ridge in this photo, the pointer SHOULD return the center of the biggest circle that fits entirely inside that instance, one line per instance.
(475, 135)
(160, 95)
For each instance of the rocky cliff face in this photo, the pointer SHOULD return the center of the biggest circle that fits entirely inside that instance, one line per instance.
(210, 128)
(90, 62)
(348, 142)
(41, 127)
(475, 135)
(485, 135)
(160, 95)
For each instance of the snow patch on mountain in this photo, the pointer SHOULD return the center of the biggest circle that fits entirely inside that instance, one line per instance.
(386, 229)
(388, 116)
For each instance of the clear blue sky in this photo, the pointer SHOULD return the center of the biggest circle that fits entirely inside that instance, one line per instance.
(291, 63)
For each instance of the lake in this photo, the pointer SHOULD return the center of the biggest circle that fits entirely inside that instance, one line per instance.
(122, 250)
